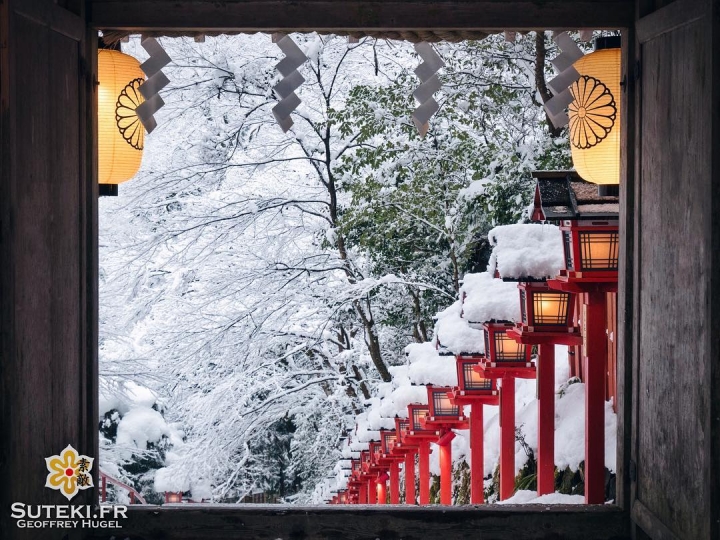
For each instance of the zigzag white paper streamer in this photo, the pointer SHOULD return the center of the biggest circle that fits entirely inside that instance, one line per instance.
(156, 81)
(292, 80)
(560, 85)
(427, 73)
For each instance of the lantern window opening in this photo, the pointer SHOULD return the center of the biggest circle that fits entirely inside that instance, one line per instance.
(403, 427)
(507, 349)
(417, 415)
(442, 406)
(550, 308)
(473, 380)
(389, 440)
(599, 250)
(523, 309)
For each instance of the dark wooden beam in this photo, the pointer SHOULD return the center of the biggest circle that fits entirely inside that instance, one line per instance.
(669, 18)
(328, 15)
(54, 17)
(199, 522)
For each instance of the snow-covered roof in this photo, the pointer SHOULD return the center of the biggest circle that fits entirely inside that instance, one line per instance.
(526, 251)
(486, 298)
(427, 366)
(454, 334)
(364, 433)
(563, 195)
(404, 393)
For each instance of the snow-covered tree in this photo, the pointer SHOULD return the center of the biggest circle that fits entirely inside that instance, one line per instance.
(263, 283)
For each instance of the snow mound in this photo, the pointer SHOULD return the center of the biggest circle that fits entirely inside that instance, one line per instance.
(526, 251)
(453, 332)
(171, 479)
(427, 366)
(140, 426)
(487, 298)
(530, 497)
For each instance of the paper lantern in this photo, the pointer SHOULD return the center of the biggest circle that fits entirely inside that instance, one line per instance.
(595, 114)
(120, 133)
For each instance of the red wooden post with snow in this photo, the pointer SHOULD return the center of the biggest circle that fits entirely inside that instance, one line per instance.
(381, 483)
(355, 485)
(475, 391)
(368, 479)
(594, 357)
(591, 258)
(421, 435)
(408, 451)
(547, 320)
(505, 361)
(546, 420)
(477, 451)
(363, 493)
(424, 471)
(507, 437)
(371, 492)
(394, 483)
(445, 445)
(379, 471)
(391, 459)
(409, 470)
(444, 416)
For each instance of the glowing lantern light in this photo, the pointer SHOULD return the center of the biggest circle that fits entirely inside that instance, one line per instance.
(595, 114)
(173, 497)
(499, 347)
(120, 134)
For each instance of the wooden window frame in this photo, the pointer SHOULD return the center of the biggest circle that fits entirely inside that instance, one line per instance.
(201, 521)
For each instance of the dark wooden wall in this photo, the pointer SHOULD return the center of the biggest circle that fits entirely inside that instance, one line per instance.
(48, 281)
(671, 338)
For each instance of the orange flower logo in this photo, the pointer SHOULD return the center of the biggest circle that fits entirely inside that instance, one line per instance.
(69, 472)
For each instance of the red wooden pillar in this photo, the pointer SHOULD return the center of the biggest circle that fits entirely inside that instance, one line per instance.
(363, 493)
(507, 438)
(410, 478)
(381, 483)
(477, 449)
(424, 472)
(371, 492)
(594, 357)
(546, 419)
(445, 445)
(394, 482)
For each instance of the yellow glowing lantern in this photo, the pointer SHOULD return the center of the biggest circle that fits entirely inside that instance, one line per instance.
(120, 133)
(595, 114)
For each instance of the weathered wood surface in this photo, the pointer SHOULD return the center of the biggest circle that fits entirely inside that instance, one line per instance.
(200, 522)
(48, 343)
(668, 18)
(627, 287)
(327, 15)
(675, 331)
(712, 480)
